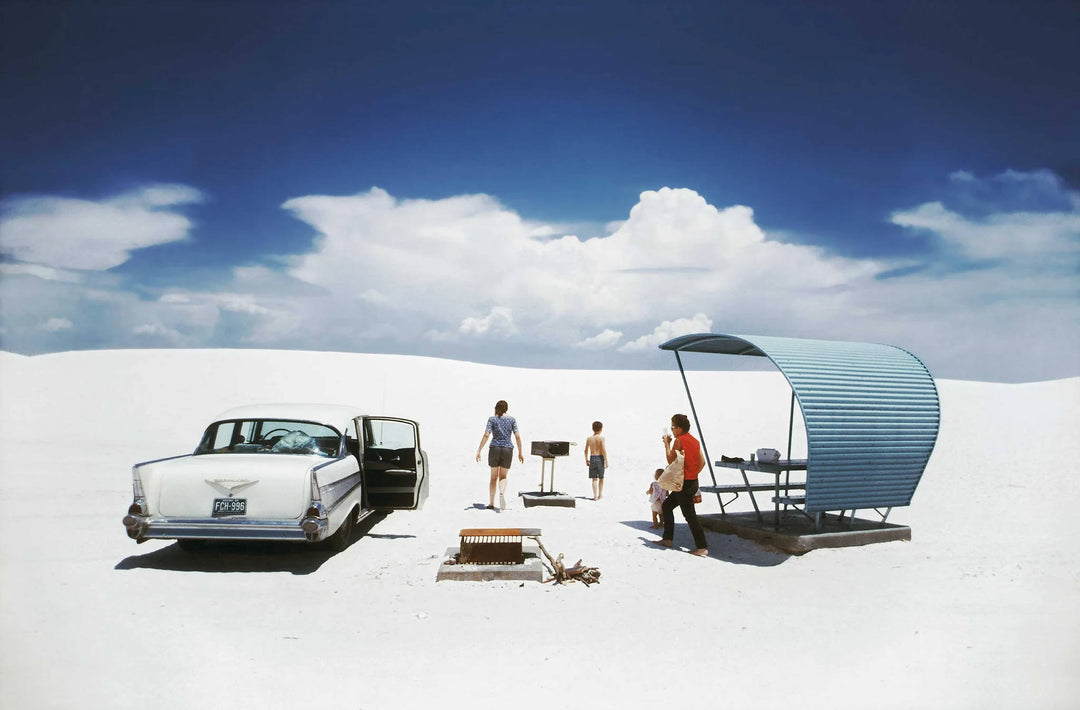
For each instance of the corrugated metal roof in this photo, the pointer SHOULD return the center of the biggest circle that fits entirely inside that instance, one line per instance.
(871, 411)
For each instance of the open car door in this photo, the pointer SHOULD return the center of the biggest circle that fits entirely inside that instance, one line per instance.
(395, 472)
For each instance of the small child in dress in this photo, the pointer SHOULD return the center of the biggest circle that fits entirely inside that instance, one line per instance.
(657, 495)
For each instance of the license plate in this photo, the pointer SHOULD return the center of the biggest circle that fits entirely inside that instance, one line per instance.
(229, 506)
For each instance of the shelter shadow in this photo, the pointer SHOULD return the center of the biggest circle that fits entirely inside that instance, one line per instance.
(726, 548)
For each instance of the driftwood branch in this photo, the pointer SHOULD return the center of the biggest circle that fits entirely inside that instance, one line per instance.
(562, 575)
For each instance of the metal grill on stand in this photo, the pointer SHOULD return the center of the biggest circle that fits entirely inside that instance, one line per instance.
(548, 451)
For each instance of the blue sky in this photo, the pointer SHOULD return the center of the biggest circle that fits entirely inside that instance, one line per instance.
(543, 184)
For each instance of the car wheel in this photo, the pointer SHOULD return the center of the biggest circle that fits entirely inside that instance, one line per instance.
(341, 539)
(190, 545)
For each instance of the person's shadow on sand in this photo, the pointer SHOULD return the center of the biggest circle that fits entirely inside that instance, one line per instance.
(725, 548)
(247, 556)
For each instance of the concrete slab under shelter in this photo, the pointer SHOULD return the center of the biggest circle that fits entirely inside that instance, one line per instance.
(532, 570)
(532, 498)
(796, 534)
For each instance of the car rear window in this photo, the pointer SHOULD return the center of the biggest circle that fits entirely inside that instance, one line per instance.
(270, 436)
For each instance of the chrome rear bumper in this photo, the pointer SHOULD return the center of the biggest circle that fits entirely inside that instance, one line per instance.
(139, 528)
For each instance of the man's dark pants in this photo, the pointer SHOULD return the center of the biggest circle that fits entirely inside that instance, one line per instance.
(684, 500)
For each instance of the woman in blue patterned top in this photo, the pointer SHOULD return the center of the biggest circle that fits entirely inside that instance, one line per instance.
(501, 451)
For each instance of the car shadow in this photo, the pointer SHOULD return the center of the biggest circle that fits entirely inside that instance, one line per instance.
(248, 556)
(724, 548)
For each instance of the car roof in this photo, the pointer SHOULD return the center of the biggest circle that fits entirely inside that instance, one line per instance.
(335, 415)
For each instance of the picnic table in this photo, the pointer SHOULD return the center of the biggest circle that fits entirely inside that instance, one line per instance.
(782, 489)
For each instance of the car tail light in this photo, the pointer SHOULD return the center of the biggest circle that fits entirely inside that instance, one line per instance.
(137, 512)
(136, 484)
(314, 518)
(138, 507)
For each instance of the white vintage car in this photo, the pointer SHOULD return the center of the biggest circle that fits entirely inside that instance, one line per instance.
(301, 472)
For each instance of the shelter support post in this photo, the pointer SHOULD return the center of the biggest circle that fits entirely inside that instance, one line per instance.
(701, 435)
(790, 426)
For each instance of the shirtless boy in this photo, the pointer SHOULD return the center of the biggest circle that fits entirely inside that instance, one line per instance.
(596, 460)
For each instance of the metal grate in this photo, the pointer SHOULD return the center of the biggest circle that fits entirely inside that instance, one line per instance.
(493, 546)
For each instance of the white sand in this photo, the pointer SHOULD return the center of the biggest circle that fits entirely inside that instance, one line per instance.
(979, 610)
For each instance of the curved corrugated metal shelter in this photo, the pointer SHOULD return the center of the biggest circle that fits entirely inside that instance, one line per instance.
(871, 411)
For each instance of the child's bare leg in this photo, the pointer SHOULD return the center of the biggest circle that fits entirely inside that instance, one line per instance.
(594, 488)
(601, 493)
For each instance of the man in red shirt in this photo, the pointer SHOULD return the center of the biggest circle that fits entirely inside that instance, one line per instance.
(684, 499)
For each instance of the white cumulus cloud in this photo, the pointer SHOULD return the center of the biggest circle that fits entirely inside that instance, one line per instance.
(500, 321)
(467, 267)
(699, 323)
(468, 277)
(1026, 218)
(601, 341)
(460, 264)
(45, 273)
(69, 233)
(1019, 236)
(156, 330)
(54, 325)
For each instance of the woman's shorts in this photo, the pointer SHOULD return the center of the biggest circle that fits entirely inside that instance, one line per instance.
(500, 456)
(596, 467)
